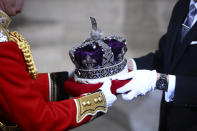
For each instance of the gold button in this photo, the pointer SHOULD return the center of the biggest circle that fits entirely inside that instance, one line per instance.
(84, 103)
(88, 103)
(95, 100)
(100, 99)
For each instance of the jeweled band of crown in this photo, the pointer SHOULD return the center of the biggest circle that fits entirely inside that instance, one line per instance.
(100, 73)
(99, 57)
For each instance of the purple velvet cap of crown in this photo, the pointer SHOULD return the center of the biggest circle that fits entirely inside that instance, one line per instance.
(116, 47)
(96, 54)
(88, 50)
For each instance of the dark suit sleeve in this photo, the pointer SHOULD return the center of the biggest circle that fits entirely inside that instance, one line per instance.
(152, 61)
(186, 91)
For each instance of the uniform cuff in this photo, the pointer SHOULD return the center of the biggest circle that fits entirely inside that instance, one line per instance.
(90, 105)
(169, 95)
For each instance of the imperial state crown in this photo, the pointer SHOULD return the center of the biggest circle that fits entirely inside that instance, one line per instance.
(99, 57)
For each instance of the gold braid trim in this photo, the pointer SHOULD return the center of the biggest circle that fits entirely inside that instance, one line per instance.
(91, 104)
(9, 128)
(25, 48)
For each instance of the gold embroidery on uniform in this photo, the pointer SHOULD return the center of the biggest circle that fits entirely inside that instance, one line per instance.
(2, 126)
(4, 19)
(90, 104)
(25, 48)
(9, 128)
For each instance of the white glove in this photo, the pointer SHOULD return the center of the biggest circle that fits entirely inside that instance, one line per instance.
(106, 89)
(142, 82)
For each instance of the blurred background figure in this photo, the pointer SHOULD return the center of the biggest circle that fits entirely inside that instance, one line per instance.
(54, 27)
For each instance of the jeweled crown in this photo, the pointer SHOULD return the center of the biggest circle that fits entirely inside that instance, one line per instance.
(99, 57)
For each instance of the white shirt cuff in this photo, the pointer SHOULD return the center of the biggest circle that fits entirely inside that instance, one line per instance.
(169, 95)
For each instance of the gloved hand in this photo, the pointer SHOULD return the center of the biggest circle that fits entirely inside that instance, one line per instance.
(142, 82)
(106, 89)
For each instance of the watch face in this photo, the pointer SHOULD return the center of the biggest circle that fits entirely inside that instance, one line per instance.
(162, 83)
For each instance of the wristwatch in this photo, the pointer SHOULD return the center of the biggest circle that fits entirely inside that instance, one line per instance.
(162, 83)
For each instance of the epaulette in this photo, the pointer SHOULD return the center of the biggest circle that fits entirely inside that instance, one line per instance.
(4, 35)
(24, 46)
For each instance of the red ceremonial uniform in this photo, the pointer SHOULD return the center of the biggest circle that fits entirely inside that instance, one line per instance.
(30, 100)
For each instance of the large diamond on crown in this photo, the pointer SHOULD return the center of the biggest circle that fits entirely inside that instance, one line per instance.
(99, 57)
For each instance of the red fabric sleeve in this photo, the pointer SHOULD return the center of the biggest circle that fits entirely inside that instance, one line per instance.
(22, 100)
(76, 89)
(42, 84)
